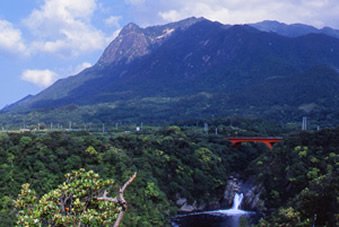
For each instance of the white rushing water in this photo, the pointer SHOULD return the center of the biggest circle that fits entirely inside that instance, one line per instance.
(237, 201)
(234, 211)
(235, 207)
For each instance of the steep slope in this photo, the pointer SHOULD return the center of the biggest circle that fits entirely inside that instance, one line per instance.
(131, 43)
(199, 68)
(134, 42)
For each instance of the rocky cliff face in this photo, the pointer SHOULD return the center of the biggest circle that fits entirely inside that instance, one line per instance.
(134, 41)
(251, 201)
(250, 191)
(130, 43)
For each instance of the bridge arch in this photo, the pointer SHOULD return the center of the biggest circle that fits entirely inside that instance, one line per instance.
(268, 141)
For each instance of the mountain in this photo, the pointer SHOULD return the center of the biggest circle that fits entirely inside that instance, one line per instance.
(197, 68)
(293, 30)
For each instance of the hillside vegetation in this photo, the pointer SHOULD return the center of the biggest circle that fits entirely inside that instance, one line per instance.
(299, 177)
(196, 68)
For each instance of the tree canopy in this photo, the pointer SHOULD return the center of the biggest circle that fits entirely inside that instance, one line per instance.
(80, 201)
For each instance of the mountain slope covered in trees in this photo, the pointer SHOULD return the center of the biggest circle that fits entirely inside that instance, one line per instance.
(298, 178)
(198, 68)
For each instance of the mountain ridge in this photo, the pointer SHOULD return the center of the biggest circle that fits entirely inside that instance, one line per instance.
(198, 58)
(293, 30)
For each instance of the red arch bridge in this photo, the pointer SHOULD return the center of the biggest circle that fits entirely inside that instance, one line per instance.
(268, 141)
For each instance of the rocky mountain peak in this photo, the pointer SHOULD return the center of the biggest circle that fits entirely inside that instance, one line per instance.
(130, 43)
(183, 24)
(131, 28)
(134, 41)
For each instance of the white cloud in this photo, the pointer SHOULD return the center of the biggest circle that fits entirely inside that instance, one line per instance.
(11, 39)
(42, 78)
(171, 15)
(64, 27)
(70, 70)
(226, 11)
(81, 67)
(113, 21)
(314, 12)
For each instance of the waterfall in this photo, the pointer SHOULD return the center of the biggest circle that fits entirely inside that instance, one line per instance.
(230, 216)
(234, 211)
(237, 201)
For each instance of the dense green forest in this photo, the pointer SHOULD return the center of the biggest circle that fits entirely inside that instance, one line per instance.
(299, 177)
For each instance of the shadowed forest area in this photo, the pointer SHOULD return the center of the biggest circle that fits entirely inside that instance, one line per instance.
(299, 177)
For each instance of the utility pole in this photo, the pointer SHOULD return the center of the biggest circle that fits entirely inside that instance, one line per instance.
(304, 124)
(206, 128)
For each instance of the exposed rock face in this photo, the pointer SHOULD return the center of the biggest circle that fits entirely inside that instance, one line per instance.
(251, 201)
(185, 207)
(130, 43)
(250, 191)
(134, 41)
(233, 186)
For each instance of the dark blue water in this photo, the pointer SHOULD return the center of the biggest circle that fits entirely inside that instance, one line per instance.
(215, 220)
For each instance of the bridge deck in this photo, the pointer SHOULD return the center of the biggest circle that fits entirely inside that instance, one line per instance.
(268, 141)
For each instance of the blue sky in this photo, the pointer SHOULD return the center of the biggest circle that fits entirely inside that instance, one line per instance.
(42, 41)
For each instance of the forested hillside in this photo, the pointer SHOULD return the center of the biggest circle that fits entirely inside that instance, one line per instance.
(299, 177)
(192, 69)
